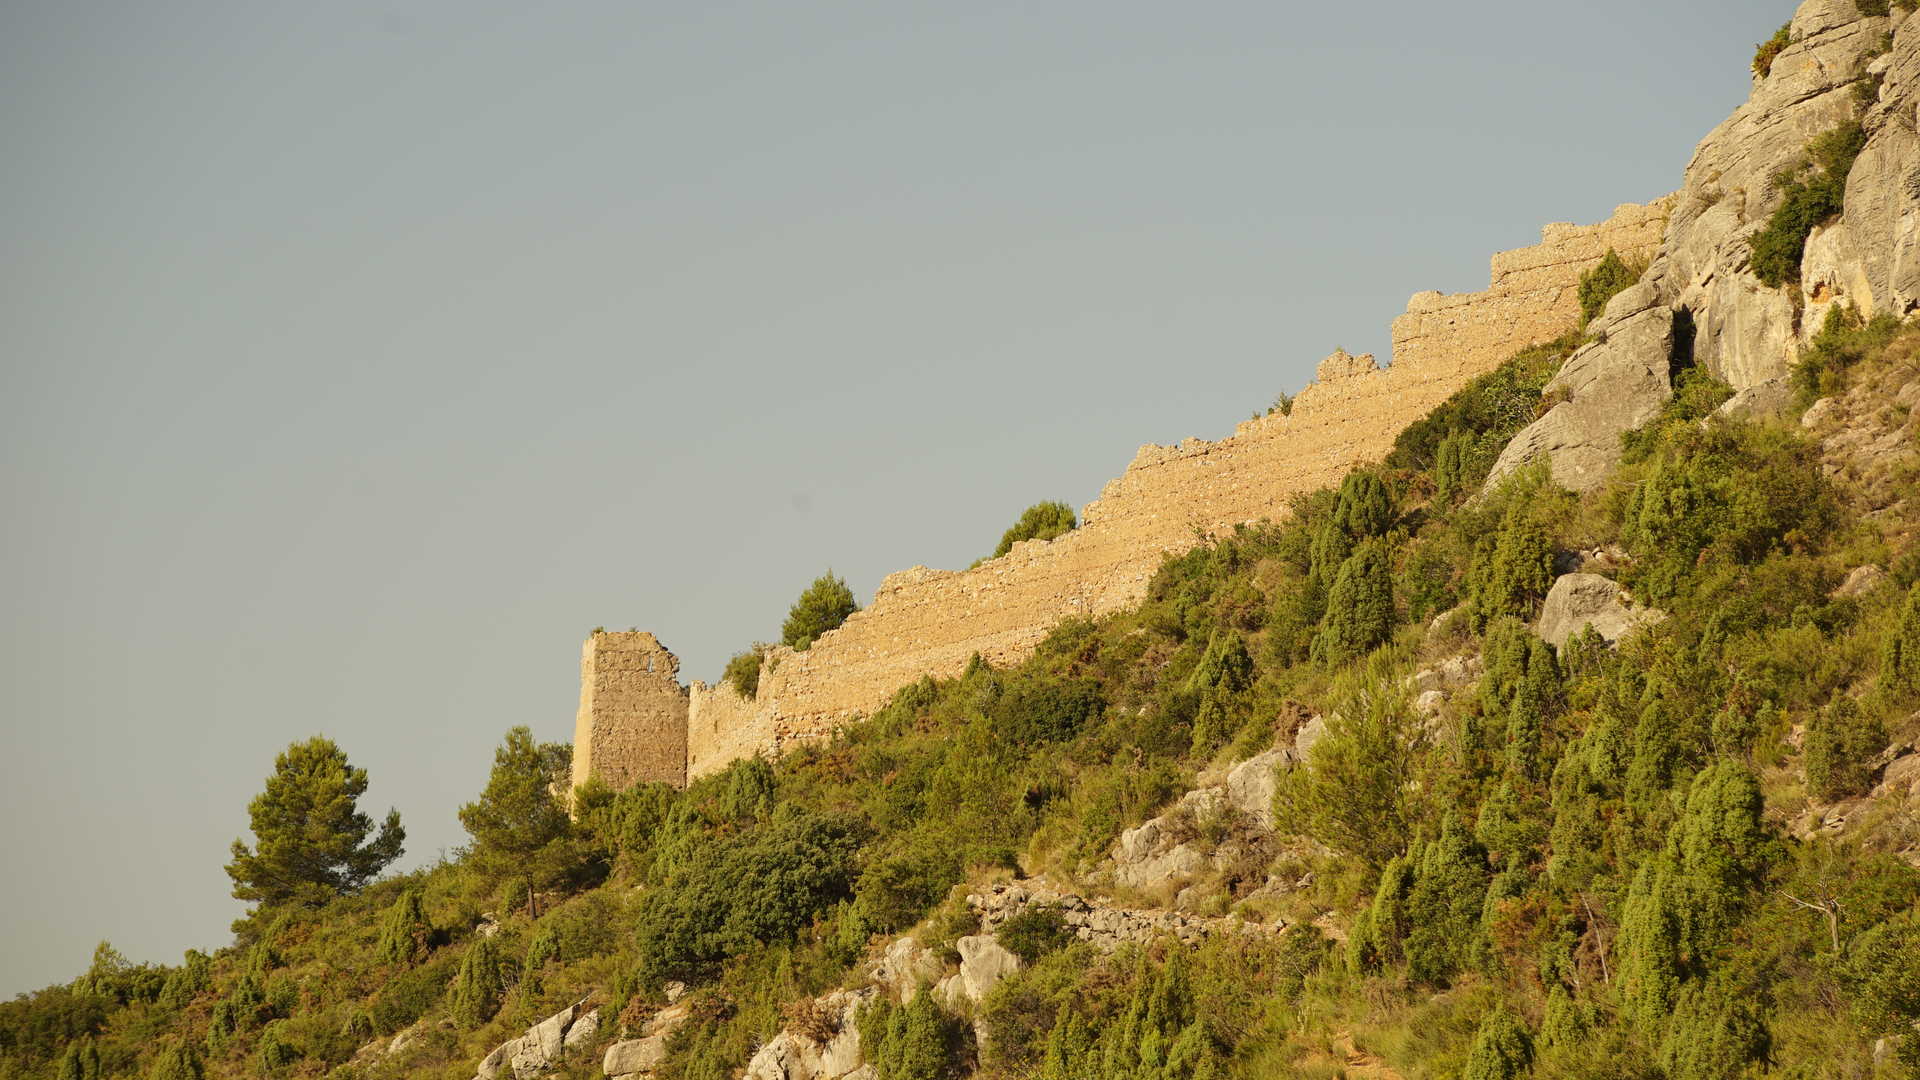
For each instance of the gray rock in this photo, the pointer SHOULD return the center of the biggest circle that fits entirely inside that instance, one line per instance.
(636, 1057)
(1817, 413)
(583, 1031)
(793, 1055)
(1861, 580)
(1611, 386)
(1250, 786)
(905, 967)
(1759, 400)
(1310, 733)
(1745, 333)
(1429, 702)
(983, 963)
(1578, 601)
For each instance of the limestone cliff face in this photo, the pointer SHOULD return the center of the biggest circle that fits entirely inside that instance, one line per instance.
(1702, 285)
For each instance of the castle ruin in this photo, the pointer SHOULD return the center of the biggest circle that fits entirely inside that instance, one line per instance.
(637, 723)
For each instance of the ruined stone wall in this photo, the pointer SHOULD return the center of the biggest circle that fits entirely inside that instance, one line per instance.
(722, 727)
(1534, 295)
(930, 622)
(632, 724)
(924, 621)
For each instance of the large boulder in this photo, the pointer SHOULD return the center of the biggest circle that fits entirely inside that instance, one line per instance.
(540, 1048)
(983, 963)
(1250, 786)
(1615, 384)
(639, 1057)
(904, 967)
(828, 1049)
(1579, 601)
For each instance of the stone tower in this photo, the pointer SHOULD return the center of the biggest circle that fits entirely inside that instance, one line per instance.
(632, 725)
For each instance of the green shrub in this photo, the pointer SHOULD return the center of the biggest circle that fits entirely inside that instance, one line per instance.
(1873, 7)
(1764, 53)
(1041, 521)
(822, 606)
(1841, 742)
(1608, 278)
(1843, 341)
(477, 991)
(918, 1041)
(405, 931)
(177, 1062)
(1502, 1049)
(1359, 615)
(274, 1052)
(893, 893)
(1809, 201)
(1900, 657)
(743, 671)
(1037, 930)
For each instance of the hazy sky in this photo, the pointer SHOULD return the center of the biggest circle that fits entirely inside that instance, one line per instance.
(360, 358)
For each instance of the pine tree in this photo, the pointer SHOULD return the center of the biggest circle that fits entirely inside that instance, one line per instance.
(822, 607)
(80, 1062)
(311, 840)
(1041, 521)
(1365, 509)
(1522, 568)
(519, 824)
(405, 930)
(476, 992)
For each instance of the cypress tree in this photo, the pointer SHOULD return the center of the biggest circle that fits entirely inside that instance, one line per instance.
(1502, 1049)
(404, 931)
(1842, 740)
(80, 1062)
(477, 989)
(1365, 509)
(177, 1062)
(1900, 658)
(1444, 906)
(1359, 607)
(1522, 568)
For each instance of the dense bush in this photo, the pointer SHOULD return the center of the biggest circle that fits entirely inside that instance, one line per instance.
(1765, 52)
(822, 606)
(1036, 931)
(743, 671)
(1041, 521)
(1608, 278)
(1841, 742)
(1814, 192)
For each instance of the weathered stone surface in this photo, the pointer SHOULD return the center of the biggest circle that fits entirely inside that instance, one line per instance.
(1760, 400)
(1861, 580)
(583, 1031)
(1310, 733)
(983, 963)
(1250, 786)
(1578, 601)
(904, 967)
(640, 1056)
(1743, 332)
(795, 1055)
(1613, 385)
(632, 723)
(540, 1048)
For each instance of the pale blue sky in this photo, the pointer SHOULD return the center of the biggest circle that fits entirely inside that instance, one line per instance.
(359, 358)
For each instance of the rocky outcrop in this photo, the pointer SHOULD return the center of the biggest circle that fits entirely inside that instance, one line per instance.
(825, 1047)
(1701, 282)
(904, 967)
(984, 963)
(633, 1059)
(1615, 384)
(541, 1048)
(1578, 602)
